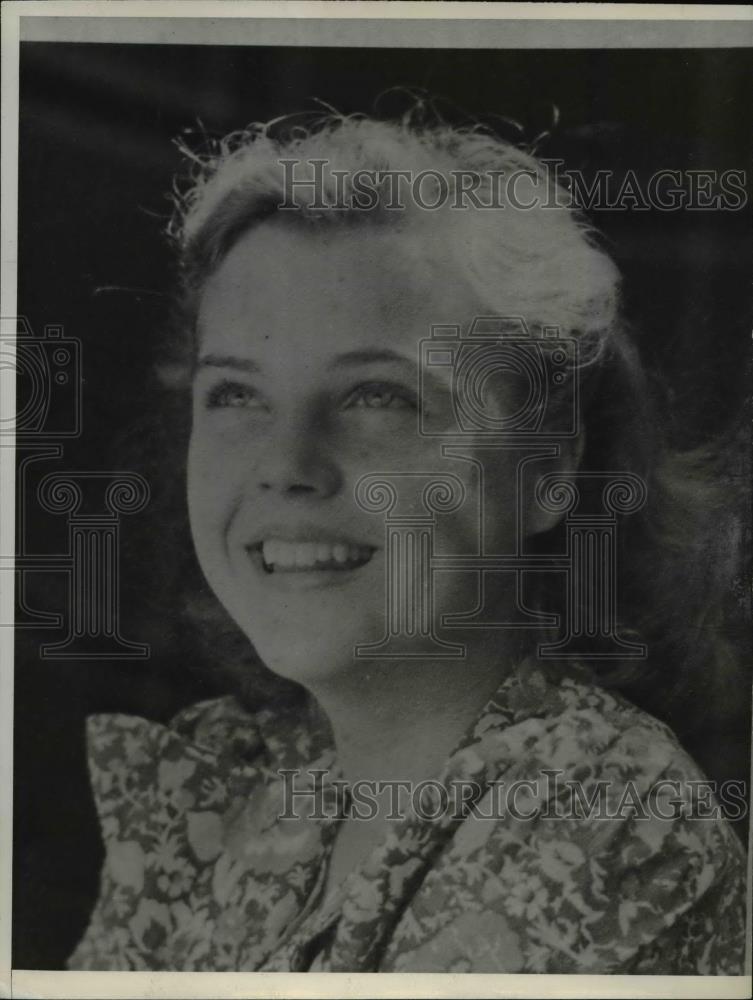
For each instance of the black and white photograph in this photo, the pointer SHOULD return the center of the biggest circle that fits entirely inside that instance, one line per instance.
(376, 443)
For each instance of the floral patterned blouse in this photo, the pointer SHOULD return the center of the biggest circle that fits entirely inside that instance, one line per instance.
(623, 875)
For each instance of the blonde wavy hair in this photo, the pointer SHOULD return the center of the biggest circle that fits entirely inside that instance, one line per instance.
(678, 557)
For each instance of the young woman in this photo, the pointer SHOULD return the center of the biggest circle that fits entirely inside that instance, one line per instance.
(240, 840)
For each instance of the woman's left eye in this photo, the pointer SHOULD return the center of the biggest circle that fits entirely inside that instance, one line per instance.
(381, 396)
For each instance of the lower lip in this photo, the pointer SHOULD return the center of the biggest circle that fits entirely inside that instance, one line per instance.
(306, 579)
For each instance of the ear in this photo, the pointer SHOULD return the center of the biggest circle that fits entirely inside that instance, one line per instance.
(539, 520)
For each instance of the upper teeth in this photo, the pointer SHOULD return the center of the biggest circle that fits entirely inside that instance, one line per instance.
(289, 554)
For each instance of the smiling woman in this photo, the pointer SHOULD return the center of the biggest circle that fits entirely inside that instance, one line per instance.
(563, 831)
(306, 382)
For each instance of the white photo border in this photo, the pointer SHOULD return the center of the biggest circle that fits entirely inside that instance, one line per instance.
(375, 23)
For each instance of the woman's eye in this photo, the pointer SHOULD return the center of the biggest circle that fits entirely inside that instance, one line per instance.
(382, 396)
(232, 395)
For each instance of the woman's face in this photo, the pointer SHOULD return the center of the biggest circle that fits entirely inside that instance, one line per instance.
(306, 381)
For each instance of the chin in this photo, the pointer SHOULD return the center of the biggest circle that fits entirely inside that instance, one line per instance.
(305, 661)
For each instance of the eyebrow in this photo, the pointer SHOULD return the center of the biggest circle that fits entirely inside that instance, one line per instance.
(227, 361)
(348, 360)
(369, 356)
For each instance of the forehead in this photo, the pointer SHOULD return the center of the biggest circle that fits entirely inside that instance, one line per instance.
(287, 281)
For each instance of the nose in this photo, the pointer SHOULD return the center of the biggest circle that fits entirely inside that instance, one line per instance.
(298, 461)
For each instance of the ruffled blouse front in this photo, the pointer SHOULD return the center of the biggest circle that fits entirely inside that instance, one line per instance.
(202, 873)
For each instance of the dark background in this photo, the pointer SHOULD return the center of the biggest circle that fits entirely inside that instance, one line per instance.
(96, 162)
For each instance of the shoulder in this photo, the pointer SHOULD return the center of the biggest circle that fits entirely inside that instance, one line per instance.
(136, 761)
(607, 776)
(574, 726)
(213, 724)
(160, 790)
(589, 847)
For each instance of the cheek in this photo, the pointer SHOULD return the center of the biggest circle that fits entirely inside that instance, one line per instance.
(212, 488)
(491, 510)
(363, 446)
(501, 488)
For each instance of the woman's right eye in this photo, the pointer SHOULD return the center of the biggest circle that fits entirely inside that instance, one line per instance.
(232, 395)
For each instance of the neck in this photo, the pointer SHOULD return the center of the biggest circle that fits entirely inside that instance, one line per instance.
(399, 720)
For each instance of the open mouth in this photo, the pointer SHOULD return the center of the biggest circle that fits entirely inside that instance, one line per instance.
(278, 556)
